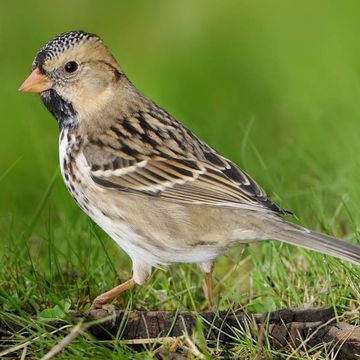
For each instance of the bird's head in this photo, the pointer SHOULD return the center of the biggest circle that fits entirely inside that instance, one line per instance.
(74, 74)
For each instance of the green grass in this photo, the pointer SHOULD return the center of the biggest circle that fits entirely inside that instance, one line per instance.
(273, 85)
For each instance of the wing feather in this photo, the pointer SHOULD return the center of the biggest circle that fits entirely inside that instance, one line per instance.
(154, 154)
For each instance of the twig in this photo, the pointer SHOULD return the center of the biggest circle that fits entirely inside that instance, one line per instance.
(145, 341)
(65, 341)
(193, 349)
(27, 343)
(23, 355)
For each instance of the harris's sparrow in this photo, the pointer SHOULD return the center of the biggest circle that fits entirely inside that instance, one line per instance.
(160, 192)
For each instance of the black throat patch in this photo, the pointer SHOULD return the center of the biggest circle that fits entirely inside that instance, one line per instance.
(62, 110)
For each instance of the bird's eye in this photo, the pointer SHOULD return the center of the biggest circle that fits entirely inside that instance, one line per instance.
(71, 66)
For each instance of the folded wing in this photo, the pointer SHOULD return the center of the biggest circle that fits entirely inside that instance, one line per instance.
(152, 153)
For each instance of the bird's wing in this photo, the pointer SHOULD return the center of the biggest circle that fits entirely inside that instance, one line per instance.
(150, 152)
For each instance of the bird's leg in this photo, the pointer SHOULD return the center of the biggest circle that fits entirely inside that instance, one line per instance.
(208, 282)
(141, 271)
(207, 268)
(104, 298)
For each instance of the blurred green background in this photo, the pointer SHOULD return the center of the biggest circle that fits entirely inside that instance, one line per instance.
(273, 85)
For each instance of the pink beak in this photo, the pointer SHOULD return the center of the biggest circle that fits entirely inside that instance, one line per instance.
(36, 83)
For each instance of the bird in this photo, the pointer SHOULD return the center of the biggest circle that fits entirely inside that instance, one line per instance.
(159, 191)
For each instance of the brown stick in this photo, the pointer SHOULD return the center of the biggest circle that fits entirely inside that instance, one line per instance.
(295, 328)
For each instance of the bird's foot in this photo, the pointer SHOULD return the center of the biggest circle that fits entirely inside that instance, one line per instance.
(100, 310)
(100, 302)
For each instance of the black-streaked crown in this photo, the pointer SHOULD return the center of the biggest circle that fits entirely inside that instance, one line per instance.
(59, 44)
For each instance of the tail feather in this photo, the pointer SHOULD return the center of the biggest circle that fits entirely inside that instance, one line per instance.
(296, 235)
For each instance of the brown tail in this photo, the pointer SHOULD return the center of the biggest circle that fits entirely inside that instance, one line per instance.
(295, 235)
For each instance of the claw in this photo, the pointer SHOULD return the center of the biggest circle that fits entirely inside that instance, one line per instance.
(103, 311)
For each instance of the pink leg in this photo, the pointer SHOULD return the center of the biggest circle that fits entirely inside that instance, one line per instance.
(107, 296)
(208, 282)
